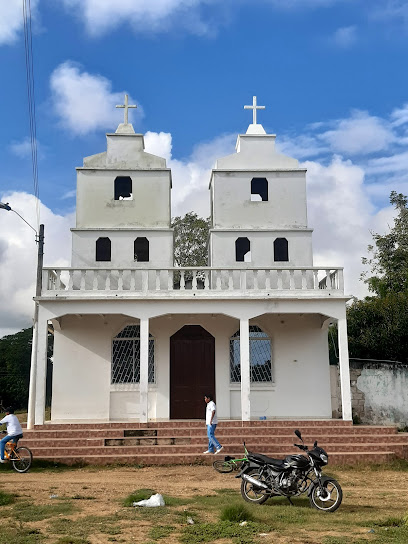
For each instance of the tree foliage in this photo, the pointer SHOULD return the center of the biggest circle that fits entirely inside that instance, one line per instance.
(389, 254)
(15, 361)
(191, 240)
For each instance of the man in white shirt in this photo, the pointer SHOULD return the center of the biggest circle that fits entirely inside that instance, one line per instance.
(211, 421)
(14, 431)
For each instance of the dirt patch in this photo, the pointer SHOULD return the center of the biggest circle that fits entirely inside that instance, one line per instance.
(96, 496)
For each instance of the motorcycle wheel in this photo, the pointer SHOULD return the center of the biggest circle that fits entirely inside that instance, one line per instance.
(222, 466)
(250, 493)
(328, 501)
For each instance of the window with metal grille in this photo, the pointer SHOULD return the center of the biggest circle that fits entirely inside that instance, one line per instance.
(126, 356)
(141, 249)
(103, 249)
(259, 353)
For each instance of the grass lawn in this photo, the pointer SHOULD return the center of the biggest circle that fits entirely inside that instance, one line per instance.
(94, 506)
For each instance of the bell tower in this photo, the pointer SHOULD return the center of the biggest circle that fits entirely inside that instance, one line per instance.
(258, 205)
(123, 205)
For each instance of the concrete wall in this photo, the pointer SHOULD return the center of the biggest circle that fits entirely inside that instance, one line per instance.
(149, 207)
(122, 248)
(222, 248)
(378, 390)
(82, 364)
(285, 208)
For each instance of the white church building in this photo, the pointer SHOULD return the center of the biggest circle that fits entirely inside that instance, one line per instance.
(136, 338)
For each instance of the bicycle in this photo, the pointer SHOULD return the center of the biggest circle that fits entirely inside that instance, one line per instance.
(228, 464)
(21, 458)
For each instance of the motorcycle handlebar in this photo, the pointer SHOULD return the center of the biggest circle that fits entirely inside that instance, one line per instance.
(301, 446)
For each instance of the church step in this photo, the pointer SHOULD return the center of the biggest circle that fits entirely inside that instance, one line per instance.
(196, 423)
(63, 441)
(272, 451)
(178, 459)
(309, 433)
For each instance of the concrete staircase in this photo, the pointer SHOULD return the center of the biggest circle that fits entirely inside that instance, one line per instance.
(182, 442)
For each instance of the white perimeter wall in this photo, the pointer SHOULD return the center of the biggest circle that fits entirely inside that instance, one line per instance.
(82, 364)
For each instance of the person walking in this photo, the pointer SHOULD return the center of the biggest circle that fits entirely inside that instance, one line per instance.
(14, 431)
(211, 421)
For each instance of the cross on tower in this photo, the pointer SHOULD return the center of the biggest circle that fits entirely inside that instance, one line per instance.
(126, 106)
(254, 107)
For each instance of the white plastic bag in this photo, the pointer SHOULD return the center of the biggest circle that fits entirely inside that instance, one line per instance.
(152, 502)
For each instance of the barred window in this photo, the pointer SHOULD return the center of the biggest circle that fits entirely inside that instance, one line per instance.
(259, 353)
(126, 356)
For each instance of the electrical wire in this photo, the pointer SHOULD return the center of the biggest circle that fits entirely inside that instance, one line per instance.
(28, 47)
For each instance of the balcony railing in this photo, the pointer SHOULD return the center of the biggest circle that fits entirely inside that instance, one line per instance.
(204, 280)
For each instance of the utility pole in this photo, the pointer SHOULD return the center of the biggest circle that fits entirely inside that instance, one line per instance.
(39, 238)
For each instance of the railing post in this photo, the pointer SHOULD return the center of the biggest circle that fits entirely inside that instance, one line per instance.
(145, 280)
(268, 280)
(95, 280)
(280, 282)
(157, 280)
(170, 280)
(120, 280)
(194, 280)
(182, 281)
(304, 282)
(315, 279)
(230, 280)
(206, 279)
(82, 281)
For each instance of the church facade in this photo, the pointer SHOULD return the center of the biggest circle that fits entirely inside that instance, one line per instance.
(136, 338)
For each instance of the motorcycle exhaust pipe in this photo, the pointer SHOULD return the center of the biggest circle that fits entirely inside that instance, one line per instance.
(254, 482)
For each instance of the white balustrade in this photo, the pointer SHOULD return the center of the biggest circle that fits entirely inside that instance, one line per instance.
(188, 279)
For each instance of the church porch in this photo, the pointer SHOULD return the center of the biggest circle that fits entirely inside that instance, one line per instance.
(83, 388)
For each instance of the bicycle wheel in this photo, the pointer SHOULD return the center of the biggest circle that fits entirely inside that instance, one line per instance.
(222, 466)
(23, 460)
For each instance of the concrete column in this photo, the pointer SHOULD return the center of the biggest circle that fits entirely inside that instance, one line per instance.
(41, 370)
(245, 369)
(33, 372)
(144, 369)
(344, 369)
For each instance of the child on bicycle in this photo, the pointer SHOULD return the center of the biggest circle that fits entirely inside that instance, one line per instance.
(14, 431)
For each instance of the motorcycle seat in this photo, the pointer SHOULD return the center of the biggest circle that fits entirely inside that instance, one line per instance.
(268, 460)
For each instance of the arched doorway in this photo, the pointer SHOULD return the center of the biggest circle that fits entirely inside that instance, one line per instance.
(192, 371)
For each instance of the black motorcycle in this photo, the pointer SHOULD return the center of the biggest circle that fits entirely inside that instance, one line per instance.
(264, 477)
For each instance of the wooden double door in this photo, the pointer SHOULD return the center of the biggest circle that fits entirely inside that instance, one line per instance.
(192, 371)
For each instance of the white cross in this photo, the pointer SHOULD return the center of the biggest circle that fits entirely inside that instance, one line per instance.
(126, 106)
(254, 107)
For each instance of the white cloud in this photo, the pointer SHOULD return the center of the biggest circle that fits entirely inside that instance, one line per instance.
(190, 176)
(343, 216)
(23, 149)
(359, 134)
(11, 19)
(18, 256)
(145, 16)
(85, 102)
(400, 116)
(345, 36)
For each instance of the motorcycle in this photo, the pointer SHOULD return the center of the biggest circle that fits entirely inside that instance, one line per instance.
(264, 477)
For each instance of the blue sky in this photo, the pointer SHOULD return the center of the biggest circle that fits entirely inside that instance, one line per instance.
(331, 73)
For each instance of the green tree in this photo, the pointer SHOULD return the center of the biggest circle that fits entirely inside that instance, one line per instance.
(191, 240)
(389, 254)
(15, 361)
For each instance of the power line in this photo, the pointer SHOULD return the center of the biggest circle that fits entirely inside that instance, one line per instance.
(28, 46)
